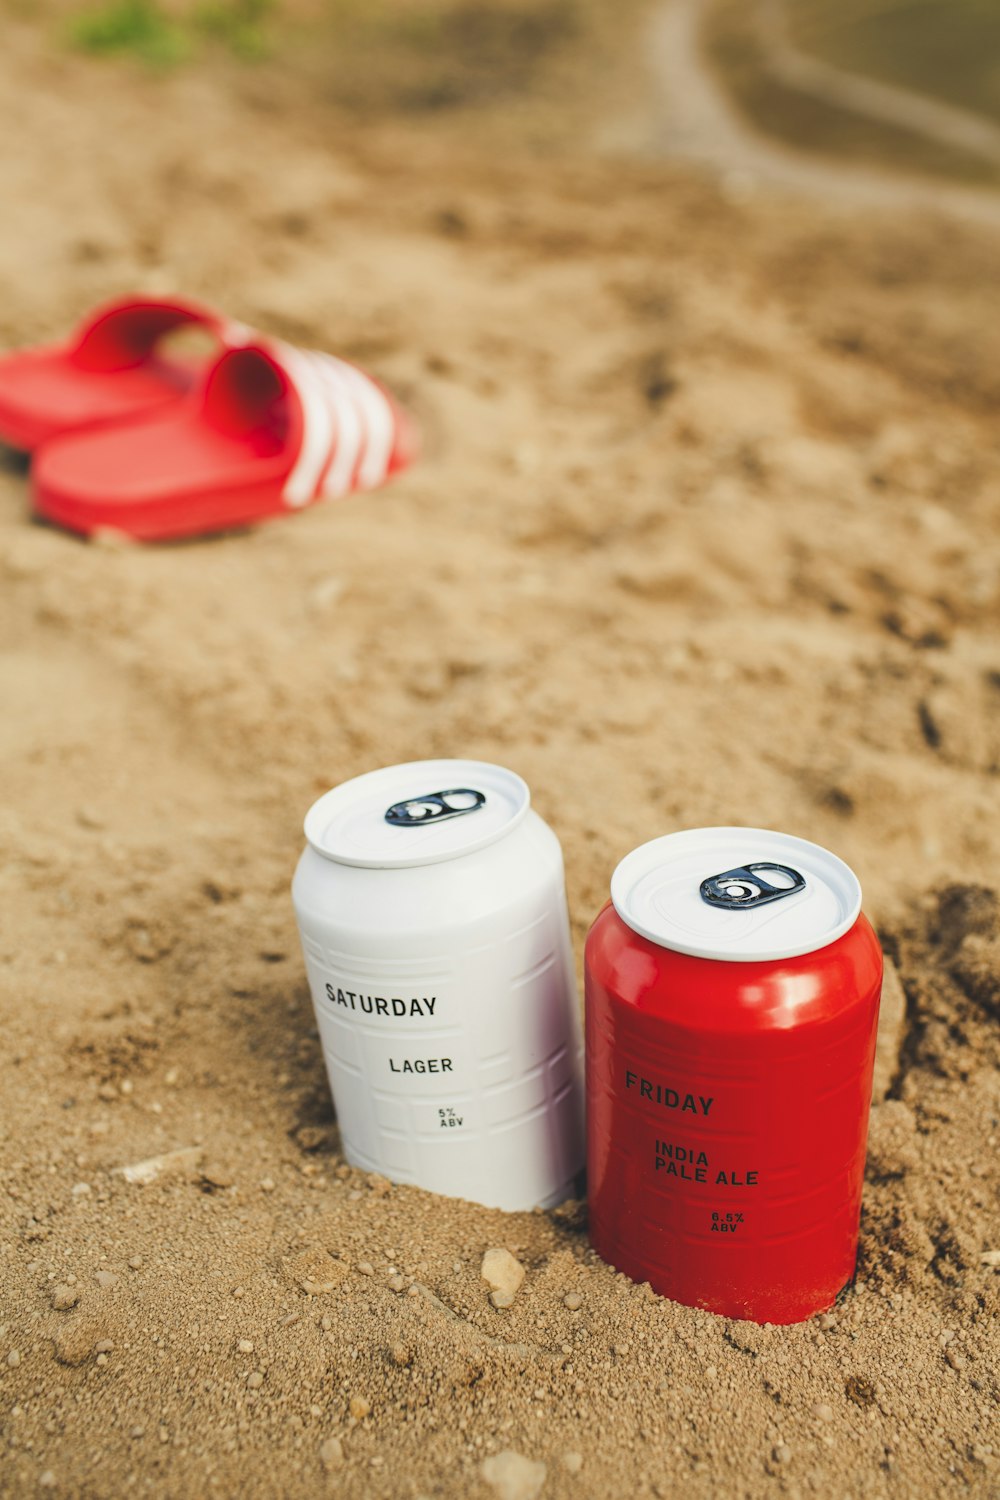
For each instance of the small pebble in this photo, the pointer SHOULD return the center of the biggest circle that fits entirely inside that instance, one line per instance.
(512, 1476)
(267, 1184)
(245, 1346)
(822, 1411)
(827, 1321)
(366, 1268)
(360, 1408)
(504, 1274)
(47, 1480)
(106, 1279)
(317, 1288)
(64, 1297)
(14, 1358)
(255, 1380)
(103, 1346)
(80, 1189)
(781, 1454)
(573, 1301)
(955, 1358)
(397, 1283)
(135, 1262)
(331, 1453)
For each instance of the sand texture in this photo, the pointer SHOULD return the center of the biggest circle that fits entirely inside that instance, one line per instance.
(705, 532)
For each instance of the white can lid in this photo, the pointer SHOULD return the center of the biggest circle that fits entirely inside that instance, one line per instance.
(736, 894)
(416, 814)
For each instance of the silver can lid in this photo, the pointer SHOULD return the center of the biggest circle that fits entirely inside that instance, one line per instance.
(736, 894)
(416, 814)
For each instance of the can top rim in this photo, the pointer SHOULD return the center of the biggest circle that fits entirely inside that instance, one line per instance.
(350, 824)
(664, 891)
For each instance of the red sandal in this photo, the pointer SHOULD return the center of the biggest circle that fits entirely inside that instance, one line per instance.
(110, 370)
(270, 429)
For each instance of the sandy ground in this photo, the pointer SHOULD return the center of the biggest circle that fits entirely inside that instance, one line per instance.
(706, 531)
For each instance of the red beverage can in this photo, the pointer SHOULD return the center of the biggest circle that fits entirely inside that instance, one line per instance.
(732, 994)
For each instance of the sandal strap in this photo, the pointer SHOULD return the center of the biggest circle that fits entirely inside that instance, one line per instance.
(349, 426)
(122, 334)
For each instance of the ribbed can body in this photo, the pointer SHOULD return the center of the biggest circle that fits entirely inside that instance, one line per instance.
(727, 1119)
(447, 1008)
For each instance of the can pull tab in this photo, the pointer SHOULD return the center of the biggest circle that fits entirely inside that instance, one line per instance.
(436, 807)
(745, 886)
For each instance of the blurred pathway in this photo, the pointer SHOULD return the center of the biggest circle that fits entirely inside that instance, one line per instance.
(695, 120)
(900, 108)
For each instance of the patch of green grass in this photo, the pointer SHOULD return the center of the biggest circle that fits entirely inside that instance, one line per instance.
(239, 24)
(143, 29)
(135, 26)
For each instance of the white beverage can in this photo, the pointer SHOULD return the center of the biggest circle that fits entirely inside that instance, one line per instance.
(431, 905)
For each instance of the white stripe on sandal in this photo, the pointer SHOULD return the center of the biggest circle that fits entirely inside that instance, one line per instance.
(349, 427)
